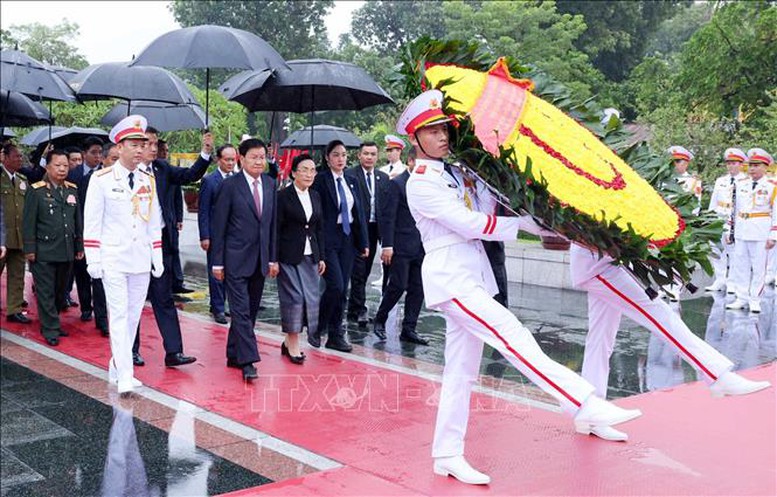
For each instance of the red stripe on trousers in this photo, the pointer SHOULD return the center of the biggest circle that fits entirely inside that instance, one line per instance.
(657, 325)
(516, 354)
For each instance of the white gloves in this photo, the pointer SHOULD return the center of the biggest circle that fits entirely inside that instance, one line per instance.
(530, 226)
(95, 270)
(157, 266)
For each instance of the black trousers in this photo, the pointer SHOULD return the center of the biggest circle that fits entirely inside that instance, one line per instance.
(50, 280)
(160, 292)
(245, 296)
(404, 275)
(339, 264)
(362, 267)
(91, 295)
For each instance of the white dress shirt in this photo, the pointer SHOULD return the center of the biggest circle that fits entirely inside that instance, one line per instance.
(307, 206)
(348, 198)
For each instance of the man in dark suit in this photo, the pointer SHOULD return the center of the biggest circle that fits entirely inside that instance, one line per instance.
(91, 295)
(402, 254)
(226, 155)
(160, 289)
(244, 249)
(345, 236)
(374, 188)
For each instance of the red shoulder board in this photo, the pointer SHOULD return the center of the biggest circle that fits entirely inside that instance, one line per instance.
(420, 169)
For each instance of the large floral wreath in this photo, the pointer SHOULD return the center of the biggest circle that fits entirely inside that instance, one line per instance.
(521, 132)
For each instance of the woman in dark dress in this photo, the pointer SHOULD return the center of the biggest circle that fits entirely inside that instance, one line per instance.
(300, 249)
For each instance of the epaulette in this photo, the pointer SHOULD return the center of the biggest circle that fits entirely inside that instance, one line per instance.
(39, 184)
(104, 170)
(70, 185)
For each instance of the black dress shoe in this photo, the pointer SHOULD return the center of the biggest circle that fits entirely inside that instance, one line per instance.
(412, 337)
(63, 333)
(137, 360)
(54, 341)
(220, 318)
(379, 329)
(102, 326)
(249, 372)
(339, 344)
(86, 316)
(295, 359)
(19, 318)
(183, 289)
(363, 320)
(232, 363)
(173, 360)
(25, 304)
(70, 302)
(314, 340)
(227, 314)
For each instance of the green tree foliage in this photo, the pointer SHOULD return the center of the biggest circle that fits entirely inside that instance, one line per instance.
(386, 26)
(49, 44)
(617, 31)
(294, 28)
(532, 32)
(730, 64)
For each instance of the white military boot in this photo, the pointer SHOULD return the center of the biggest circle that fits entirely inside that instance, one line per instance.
(596, 413)
(604, 432)
(730, 383)
(459, 468)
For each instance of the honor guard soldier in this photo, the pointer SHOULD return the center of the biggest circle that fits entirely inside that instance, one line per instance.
(52, 240)
(123, 241)
(721, 203)
(458, 281)
(394, 147)
(755, 231)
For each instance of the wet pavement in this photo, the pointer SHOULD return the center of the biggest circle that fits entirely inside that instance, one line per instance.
(558, 319)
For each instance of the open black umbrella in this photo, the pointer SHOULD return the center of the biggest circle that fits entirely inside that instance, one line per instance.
(64, 72)
(160, 115)
(301, 139)
(18, 110)
(21, 73)
(61, 136)
(119, 80)
(208, 46)
(311, 85)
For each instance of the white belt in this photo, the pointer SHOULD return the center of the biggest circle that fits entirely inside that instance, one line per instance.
(443, 241)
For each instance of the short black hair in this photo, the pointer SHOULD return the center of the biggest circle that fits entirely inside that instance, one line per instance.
(162, 142)
(73, 150)
(152, 130)
(221, 149)
(412, 154)
(52, 153)
(367, 144)
(251, 143)
(91, 141)
(332, 145)
(299, 160)
(8, 147)
(107, 148)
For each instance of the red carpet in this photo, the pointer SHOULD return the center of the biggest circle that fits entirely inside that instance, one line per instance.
(378, 423)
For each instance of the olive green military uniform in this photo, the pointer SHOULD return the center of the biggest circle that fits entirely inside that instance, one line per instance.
(53, 231)
(12, 193)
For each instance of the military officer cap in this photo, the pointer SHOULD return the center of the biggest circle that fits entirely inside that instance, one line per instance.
(680, 153)
(759, 155)
(130, 128)
(734, 155)
(393, 141)
(424, 110)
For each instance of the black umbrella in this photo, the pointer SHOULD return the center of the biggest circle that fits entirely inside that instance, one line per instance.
(62, 136)
(21, 73)
(18, 110)
(301, 139)
(162, 116)
(119, 80)
(311, 85)
(64, 72)
(209, 46)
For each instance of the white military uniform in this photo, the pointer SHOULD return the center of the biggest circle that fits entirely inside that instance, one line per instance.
(458, 281)
(394, 169)
(721, 204)
(755, 222)
(613, 292)
(123, 236)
